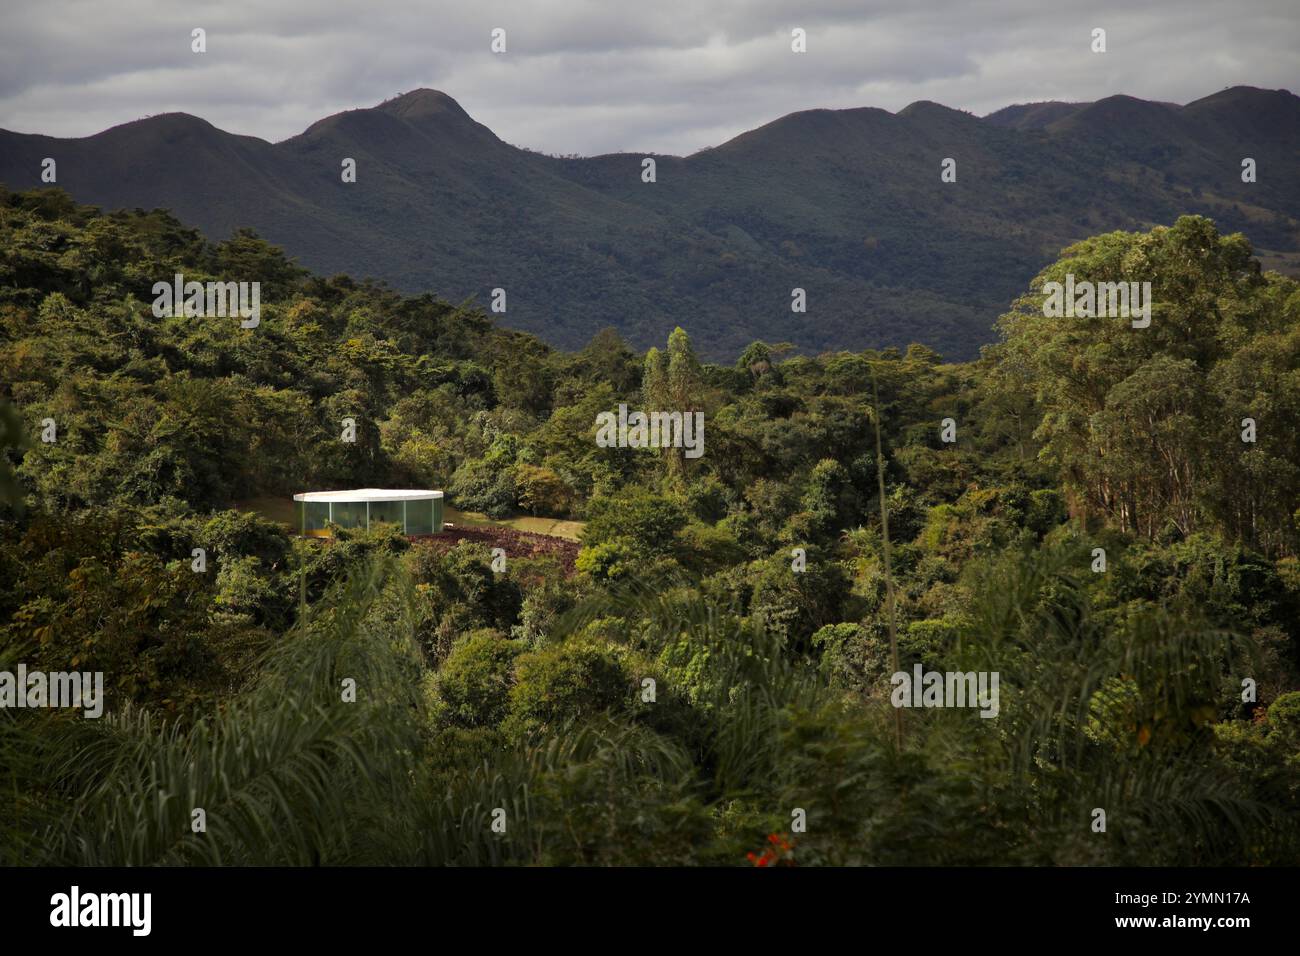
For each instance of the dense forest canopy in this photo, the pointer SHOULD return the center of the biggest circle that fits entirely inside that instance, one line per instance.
(719, 659)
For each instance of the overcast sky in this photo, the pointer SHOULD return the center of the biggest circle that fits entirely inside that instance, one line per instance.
(592, 76)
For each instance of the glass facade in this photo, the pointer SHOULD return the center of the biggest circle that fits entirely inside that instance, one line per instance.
(419, 517)
(349, 514)
(387, 512)
(423, 516)
(313, 516)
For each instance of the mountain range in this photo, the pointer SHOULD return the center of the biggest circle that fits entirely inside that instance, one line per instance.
(846, 204)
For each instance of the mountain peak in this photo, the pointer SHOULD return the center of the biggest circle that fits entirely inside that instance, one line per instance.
(420, 113)
(931, 114)
(422, 103)
(1126, 115)
(924, 107)
(434, 113)
(1250, 112)
(164, 128)
(1033, 115)
(168, 121)
(1238, 94)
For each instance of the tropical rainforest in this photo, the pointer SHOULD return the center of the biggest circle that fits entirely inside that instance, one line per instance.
(1083, 510)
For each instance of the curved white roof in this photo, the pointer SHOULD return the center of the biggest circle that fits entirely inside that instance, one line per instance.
(369, 494)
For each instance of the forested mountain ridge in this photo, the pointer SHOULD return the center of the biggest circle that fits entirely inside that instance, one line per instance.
(846, 204)
(749, 585)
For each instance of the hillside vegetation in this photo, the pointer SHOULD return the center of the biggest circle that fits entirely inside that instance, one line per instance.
(719, 662)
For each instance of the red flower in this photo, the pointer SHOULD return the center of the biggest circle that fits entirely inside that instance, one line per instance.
(780, 853)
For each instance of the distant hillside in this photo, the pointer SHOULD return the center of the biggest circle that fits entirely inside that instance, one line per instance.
(847, 204)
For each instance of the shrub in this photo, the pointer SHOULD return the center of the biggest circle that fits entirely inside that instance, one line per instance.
(577, 679)
(474, 683)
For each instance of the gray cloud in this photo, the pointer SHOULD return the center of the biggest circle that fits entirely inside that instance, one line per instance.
(592, 76)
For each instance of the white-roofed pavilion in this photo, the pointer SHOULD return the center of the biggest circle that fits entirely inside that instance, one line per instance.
(415, 511)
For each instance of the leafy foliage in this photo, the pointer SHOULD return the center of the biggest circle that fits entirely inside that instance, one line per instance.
(718, 672)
